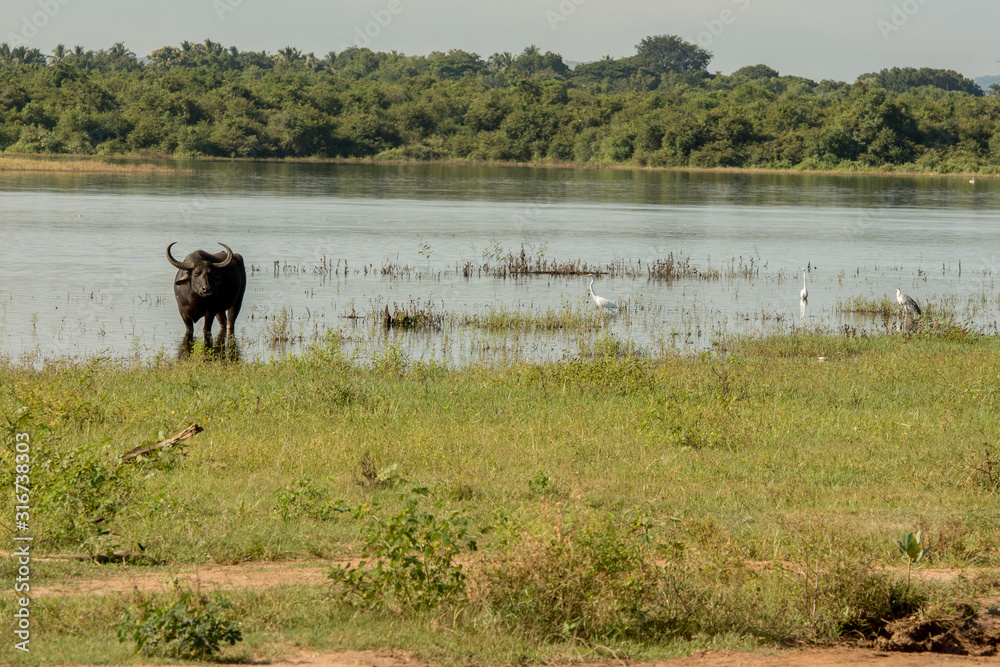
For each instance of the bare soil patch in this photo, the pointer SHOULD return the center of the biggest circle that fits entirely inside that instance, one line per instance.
(209, 577)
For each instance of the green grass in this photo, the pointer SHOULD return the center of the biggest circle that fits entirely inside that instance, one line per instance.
(887, 306)
(502, 319)
(711, 464)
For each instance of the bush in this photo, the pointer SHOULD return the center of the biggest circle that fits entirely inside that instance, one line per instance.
(191, 627)
(409, 559)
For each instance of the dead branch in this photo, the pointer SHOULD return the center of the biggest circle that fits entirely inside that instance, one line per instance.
(190, 431)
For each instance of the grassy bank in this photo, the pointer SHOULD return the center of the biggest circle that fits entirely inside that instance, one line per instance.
(85, 164)
(643, 505)
(82, 165)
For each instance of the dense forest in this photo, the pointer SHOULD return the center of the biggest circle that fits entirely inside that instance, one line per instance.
(660, 107)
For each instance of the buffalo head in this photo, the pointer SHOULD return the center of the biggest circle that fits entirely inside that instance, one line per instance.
(199, 272)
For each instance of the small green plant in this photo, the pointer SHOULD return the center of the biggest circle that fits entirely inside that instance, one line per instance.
(912, 547)
(190, 627)
(425, 249)
(409, 558)
(540, 483)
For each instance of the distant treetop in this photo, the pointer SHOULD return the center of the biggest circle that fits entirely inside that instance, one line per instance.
(670, 53)
(756, 72)
(902, 79)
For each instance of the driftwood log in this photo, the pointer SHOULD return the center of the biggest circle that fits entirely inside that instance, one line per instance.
(190, 431)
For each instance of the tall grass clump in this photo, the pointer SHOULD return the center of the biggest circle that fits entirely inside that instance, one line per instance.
(576, 573)
(883, 306)
(501, 319)
(611, 346)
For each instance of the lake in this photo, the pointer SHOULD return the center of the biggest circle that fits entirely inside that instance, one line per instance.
(83, 270)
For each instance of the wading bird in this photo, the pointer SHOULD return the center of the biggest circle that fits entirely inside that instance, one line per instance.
(908, 304)
(601, 302)
(804, 294)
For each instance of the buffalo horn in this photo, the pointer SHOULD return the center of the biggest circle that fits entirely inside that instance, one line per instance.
(229, 257)
(180, 265)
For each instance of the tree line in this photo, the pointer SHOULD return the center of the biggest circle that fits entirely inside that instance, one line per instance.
(660, 107)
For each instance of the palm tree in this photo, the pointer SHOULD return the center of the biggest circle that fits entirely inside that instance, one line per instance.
(59, 53)
(119, 51)
(500, 62)
(290, 54)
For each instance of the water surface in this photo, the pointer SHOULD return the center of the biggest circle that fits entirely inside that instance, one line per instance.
(83, 270)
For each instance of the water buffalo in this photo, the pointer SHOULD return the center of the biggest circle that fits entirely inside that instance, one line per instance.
(209, 286)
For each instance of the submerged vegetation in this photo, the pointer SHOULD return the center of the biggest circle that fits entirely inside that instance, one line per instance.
(627, 505)
(658, 108)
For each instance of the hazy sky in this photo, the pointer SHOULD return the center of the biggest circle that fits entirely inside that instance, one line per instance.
(818, 39)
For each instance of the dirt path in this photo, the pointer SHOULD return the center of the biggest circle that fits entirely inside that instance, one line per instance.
(207, 577)
(314, 573)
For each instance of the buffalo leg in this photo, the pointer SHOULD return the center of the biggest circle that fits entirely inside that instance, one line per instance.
(208, 323)
(235, 309)
(188, 325)
(233, 312)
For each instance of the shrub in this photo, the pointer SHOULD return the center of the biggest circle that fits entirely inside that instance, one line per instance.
(190, 627)
(409, 558)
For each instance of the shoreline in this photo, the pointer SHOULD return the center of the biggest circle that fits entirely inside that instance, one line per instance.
(146, 165)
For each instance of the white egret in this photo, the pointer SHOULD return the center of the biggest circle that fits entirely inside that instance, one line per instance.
(804, 294)
(601, 302)
(908, 304)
